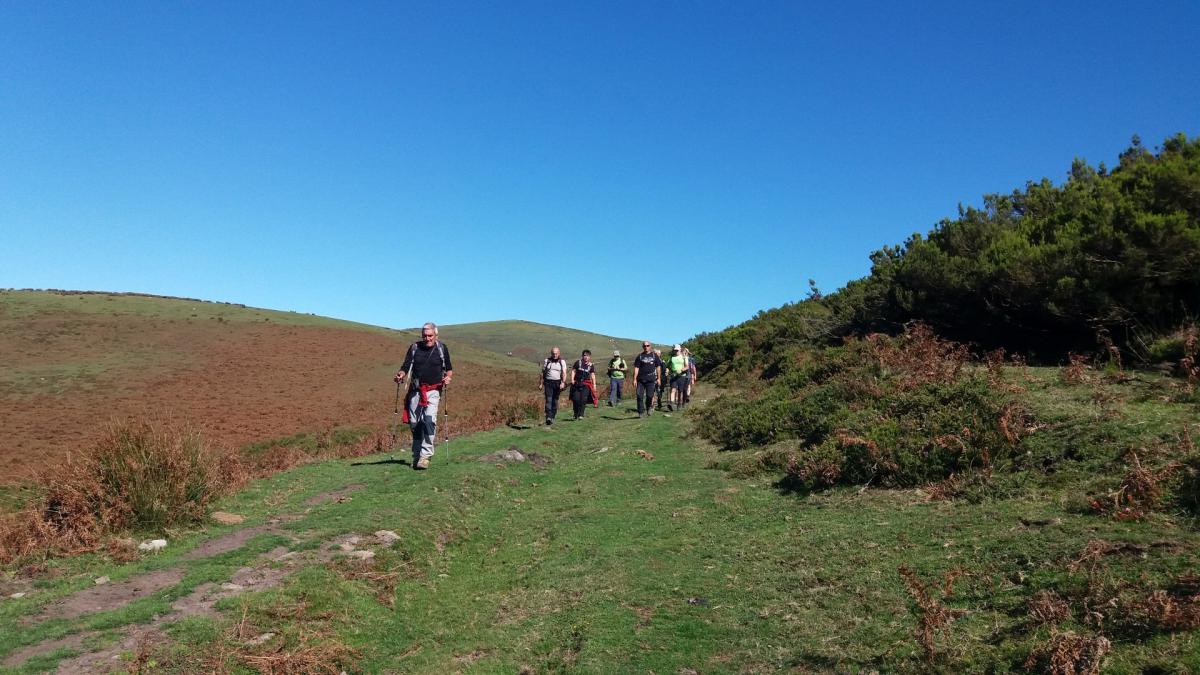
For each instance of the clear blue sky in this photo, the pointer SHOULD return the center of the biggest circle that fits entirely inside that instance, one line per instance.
(643, 169)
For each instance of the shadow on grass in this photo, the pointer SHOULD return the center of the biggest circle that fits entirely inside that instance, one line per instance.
(619, 419)
(519, 427)
(793, 486)
(389, 460)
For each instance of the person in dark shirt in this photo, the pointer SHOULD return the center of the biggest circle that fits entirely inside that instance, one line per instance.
(645, 372)
(583, 383)
(428, 362)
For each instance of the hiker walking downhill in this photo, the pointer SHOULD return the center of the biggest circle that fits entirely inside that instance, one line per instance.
(646, 376)
(679, 369)
(583, 384)
(616, 378)
(428, 363)
(552, 382)
(664, 378)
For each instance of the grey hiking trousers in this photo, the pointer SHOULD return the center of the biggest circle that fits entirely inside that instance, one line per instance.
(423, 421)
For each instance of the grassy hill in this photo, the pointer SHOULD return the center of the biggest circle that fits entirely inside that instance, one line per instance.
(623, 549)
(75, 361)
(531, 341)
(887, 504)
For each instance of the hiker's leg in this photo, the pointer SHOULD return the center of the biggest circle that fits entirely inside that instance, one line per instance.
(640, 395)
(416, 423)
(429, 423)
(548, 388)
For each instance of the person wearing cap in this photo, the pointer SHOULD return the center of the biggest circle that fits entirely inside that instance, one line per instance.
(616, 377)
(645, 375)
(679, 368)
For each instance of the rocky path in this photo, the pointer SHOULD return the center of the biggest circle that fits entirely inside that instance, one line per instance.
(269, 570)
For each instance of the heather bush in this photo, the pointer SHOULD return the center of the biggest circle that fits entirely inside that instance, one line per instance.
(138, 477)
(1187, 494)
(891, 411)
(515, 409)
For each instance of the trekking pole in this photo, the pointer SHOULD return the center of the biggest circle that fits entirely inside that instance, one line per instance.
(395, 422)
(445, 415)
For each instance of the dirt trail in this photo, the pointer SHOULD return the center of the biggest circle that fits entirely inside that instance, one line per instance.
(272, 568)
(110, 596)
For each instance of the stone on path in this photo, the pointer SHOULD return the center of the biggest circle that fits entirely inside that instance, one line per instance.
(386, 537)
(225, 518)
(153, 545)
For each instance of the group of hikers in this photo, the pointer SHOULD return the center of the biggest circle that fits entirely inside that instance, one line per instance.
(427, 370)
(652, 374)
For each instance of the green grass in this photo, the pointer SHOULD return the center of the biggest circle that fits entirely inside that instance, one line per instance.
(531, 341)
(27, 304)
(487, 342)
(608, 562)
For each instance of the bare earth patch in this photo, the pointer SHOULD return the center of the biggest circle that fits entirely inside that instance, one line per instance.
(334, 495)
(229, 542)
(20, 656)
(110, 596)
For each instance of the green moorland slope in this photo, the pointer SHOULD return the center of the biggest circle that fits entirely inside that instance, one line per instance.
(72, 308)
(530, 341)
(628, 548)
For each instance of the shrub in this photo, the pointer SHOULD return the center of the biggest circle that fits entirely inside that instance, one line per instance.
(514, 410)
(890, 411)
(1068, 653)
(1187, 495)
(137, 477)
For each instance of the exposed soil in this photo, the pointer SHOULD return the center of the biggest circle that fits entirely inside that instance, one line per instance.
(334, 496)
(229, 542)
(111, 595)
(108, 659)
(235, 382)
(275, 566)
(20, 656)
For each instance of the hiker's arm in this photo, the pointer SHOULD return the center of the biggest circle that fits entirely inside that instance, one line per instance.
(403, 372)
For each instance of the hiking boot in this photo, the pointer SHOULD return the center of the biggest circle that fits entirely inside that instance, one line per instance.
(549, 421)
(422, 464)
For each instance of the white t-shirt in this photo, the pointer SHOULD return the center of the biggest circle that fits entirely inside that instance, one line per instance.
(553, 370)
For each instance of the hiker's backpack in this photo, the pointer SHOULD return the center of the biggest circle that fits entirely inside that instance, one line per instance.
(412, 353)
(562, 364)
